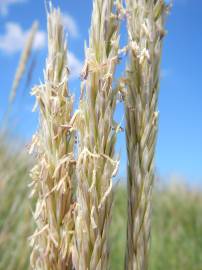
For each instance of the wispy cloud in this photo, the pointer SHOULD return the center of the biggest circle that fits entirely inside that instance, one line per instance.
(5, 4)
(13, 39)
(75, 65)
(70, 25)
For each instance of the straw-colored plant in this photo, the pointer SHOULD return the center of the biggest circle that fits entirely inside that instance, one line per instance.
(96, 163)
(23, 60)
(54, 146)
(145, 23)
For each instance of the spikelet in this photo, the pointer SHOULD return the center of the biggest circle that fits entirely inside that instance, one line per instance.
(145, 22)
(23, 60)
(54, 145)
(96, 163)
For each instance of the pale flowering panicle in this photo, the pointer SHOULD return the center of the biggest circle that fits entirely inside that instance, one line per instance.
(53, 145)
(145, 24)
(23, 60)
(96, 164)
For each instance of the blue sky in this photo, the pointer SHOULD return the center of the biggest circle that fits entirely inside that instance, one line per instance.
(179, 148)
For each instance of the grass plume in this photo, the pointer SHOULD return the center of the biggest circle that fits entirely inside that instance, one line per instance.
(54, 145)
(97, 135)
(145, 23)
(23, 60)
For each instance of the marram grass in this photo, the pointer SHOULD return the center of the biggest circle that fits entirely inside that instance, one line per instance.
(23, 60)
(145, 24)
(53, 145)
(96, 163)
(176, 241)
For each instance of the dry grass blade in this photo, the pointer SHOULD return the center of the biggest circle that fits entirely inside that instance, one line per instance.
(97, 135)
(54, 146)
(23, 60)
(145, 30)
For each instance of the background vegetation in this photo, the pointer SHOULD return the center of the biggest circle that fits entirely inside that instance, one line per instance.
(176, 227)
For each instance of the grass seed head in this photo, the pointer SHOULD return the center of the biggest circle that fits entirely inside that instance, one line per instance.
(145, 23)
(23, 60)
(54, 146)
(96, 161)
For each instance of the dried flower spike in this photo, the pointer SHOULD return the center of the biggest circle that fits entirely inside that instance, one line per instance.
(145, 22)
(96, 162)
(23, 60)
(54, 145)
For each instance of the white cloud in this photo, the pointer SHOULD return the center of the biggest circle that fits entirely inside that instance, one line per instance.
(14, 38)
(70, 25)
(40, 40)
(4, 5)
(75, 65)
